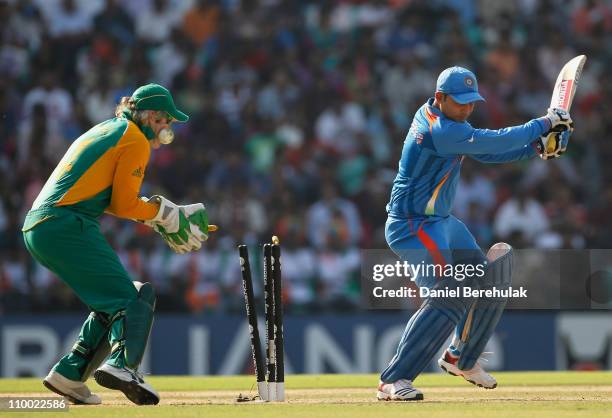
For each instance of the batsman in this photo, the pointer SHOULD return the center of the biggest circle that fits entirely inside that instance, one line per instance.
(420, 228)
(102, 171)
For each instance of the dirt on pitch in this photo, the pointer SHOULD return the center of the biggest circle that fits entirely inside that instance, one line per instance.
(466, 395)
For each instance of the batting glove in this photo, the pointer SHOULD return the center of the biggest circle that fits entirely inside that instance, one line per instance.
(560, 120)
(553, 144)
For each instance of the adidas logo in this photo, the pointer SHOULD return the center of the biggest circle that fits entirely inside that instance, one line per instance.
(137, 172)
(135, 377)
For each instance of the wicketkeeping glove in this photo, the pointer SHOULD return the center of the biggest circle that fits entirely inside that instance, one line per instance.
(182, 227)
(198, 220)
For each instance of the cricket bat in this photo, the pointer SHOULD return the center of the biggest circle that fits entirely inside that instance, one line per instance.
(567, 80)
(564, 91)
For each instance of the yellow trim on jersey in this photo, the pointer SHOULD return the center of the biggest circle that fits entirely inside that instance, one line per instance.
(468, 324)
(429, 209)
(431, 204)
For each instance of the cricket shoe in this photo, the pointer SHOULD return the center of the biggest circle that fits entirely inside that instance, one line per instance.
(400, 390)
(476, 375)
(128, 381)
(75, 391)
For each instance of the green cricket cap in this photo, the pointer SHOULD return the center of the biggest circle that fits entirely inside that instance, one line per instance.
(156, 97)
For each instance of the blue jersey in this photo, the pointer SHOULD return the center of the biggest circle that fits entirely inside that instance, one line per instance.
(434, 150)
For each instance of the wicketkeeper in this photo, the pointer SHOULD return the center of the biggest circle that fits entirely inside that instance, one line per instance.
(102, 171)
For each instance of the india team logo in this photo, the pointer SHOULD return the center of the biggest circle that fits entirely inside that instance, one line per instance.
(469, 82)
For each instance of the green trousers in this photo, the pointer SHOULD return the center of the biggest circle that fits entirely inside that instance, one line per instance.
(72, 247)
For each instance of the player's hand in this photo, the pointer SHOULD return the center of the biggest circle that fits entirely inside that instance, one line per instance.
(198, 220)
(192, 244)
(560, 120)
(553, 144)
(187, 237)
(183, 227)
(168, 216)
(180, 242)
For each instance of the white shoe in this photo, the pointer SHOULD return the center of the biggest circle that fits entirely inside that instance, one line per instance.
(75, 391)
(400, 390)
(476, 375)
(128, 381)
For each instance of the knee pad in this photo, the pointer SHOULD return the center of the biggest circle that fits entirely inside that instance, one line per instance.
(453, 307)
(486, 312)
(499, 271)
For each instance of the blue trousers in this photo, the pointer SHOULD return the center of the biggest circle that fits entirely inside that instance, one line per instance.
(432, 240)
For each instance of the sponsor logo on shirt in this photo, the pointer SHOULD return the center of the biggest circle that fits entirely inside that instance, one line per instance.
(137, 172)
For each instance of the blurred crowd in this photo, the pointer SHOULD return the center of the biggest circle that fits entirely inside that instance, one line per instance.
(298, 114)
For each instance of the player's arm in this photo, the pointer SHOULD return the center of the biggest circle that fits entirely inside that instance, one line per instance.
(525, 153)
(462, 138)
(551, 144)
(182, 227)
(131, 164)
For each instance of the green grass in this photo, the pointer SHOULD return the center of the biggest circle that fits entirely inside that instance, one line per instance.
(554, 394)
(320, 381)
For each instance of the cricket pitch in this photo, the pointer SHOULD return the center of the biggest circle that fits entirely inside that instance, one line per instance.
(525, 394)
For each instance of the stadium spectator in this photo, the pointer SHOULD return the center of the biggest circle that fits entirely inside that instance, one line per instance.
(298, 113)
